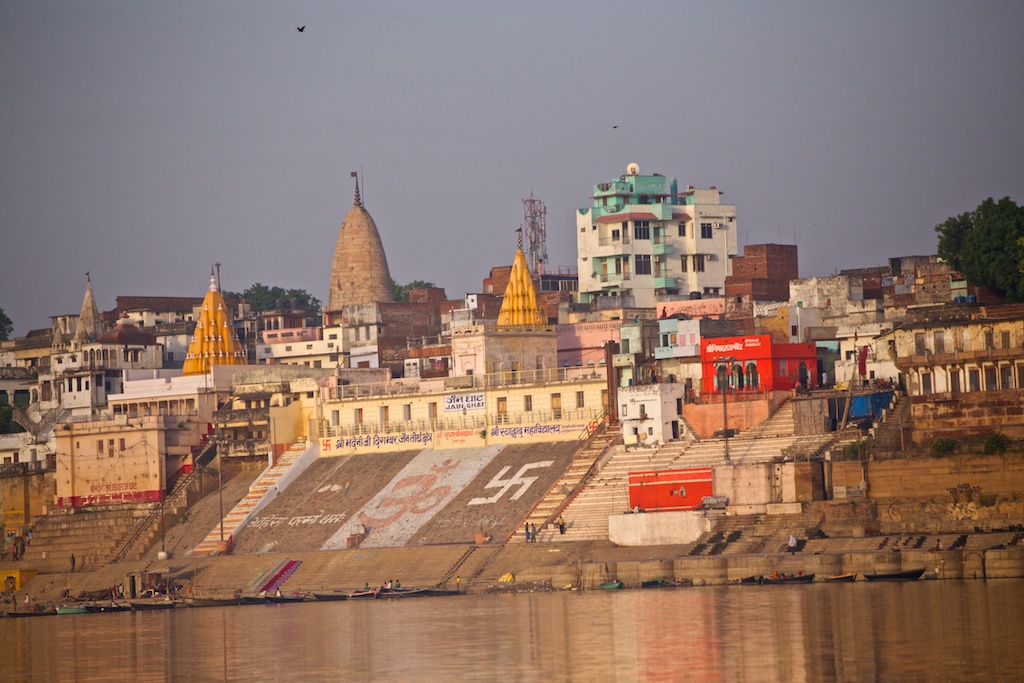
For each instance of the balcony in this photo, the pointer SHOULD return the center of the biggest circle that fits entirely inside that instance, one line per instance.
(661, 246)
(235, 448)
(683, 351)
(241, 418)
(665, 282)
(612, 278)
(623, 360)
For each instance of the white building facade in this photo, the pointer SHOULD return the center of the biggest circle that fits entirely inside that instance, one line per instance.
(644, 240)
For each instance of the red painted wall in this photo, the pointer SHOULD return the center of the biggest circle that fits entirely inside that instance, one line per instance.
(670, 489)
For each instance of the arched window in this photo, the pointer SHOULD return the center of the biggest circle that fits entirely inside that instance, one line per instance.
(752, 378)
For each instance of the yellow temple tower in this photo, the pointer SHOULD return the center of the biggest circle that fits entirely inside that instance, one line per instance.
(214, 341)
(519, 307)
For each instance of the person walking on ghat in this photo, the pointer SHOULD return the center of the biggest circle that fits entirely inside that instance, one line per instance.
(72, 562)
(561, 525)
(533, 532)
(792, 544)
(527, 533)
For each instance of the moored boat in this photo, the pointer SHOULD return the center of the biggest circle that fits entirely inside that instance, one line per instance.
(159, 604)
(33, 613)
(109, 607)
(848, 577)
(213, 602)
(331, 596)
(73, 609)
(788, 578)
(282, 599)
(908, 575)
(611, 585)
(363, 595)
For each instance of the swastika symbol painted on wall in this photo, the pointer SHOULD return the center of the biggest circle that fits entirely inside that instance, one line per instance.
(516, 480)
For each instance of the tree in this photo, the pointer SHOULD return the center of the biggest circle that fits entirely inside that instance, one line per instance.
(6, 326)
(7, 423)
(985, 246)
(263, 298)
(400, 293)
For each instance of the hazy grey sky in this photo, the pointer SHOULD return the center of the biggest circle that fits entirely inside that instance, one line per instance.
(144, 141)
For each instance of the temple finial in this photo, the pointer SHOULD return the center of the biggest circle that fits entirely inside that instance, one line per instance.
(519, 237)
(356, 176)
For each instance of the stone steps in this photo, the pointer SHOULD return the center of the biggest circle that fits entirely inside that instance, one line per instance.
(581, 465)
(236, 518)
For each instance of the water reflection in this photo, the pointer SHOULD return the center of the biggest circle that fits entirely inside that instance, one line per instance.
(936, 630)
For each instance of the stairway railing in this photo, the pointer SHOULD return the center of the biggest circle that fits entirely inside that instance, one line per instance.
(180, 489)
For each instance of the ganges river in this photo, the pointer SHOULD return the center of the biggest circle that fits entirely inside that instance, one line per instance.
(920, 631)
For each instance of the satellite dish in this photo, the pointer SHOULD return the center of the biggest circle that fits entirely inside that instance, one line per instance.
(633, 169)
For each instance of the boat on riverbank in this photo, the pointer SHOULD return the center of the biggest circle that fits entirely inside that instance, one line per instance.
(841, 578)
(787, 578)
(611, 585)
(908, 575)
(73, 609)
(50, 612)
(143, 606)
(213, 602)
(337, 595)
(776, 580)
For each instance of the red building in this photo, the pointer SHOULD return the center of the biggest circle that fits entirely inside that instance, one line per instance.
(754, 363)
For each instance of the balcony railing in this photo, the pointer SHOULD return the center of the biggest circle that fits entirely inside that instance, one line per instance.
(249, 415)
(488, 381)
(480, 421)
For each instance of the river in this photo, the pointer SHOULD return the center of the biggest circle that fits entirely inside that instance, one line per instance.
(919, 631)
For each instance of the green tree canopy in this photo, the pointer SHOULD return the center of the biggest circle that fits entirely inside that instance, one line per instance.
(984, 245)
(263, 298)
(6, 326)
(401, 292)
(7, 423)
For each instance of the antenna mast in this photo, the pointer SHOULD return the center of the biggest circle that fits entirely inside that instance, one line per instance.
(536, 251)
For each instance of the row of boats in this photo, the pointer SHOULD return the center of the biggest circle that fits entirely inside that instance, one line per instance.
(145, 605)
(760, 580)
(849, 577)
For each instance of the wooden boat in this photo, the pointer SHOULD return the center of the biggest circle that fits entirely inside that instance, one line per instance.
(34, 613)
(331, 596)
(282, 599)
(160, 604)
(611, 585)
(254, 599)
(654, 583)
(909, 575)
(363, 595)
(213, 602)
(109, 607)
(848, 577)
(792, 578)
(402, 593)
(751, 580)
(73, 609)
(440, 592)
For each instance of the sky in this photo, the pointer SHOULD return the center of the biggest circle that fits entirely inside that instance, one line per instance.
(142, 141)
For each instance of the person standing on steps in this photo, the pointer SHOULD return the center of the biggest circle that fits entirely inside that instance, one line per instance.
(458, 584)
(533, 532)
(561, 525)
(527, 533)
(72, 562)
(792, 544)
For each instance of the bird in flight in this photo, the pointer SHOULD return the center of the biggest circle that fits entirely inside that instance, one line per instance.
(614, 126)
(301, 29)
